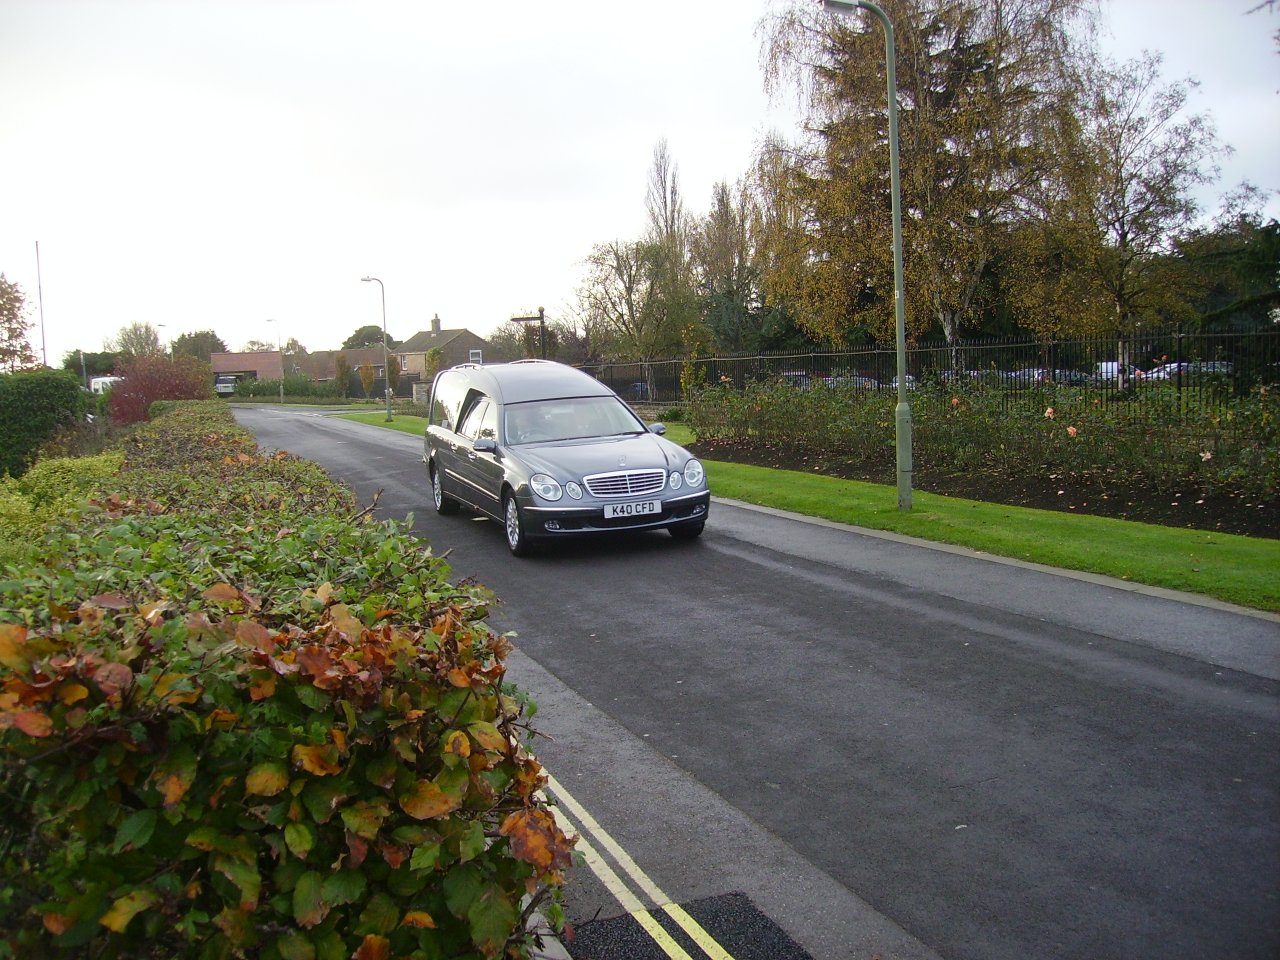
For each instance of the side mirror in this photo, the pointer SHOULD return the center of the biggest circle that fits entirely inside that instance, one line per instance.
(659, 428)
(484, 445)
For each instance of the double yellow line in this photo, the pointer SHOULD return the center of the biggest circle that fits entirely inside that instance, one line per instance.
(587, 826)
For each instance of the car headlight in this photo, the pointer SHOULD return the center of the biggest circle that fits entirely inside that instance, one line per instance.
(573, 490)
(693, 473)
(676, 480)
(545, 487)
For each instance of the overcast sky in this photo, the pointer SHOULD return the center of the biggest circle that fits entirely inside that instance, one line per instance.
(212, 164)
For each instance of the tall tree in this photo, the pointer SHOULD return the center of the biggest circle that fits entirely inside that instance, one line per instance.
(674, 302)
(342, 373)
(1145, 157)
(723, 253)
(619, 294)
(137, 340)
(979, 83)
(15, 349)
(368, 336)
(86, 364)
(199, 344)
(258, 346)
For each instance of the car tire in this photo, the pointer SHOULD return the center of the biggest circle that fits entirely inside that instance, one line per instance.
(445, 504)
(686, 531)
(513, 527)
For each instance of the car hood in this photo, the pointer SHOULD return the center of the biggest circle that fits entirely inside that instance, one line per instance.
(574, 459)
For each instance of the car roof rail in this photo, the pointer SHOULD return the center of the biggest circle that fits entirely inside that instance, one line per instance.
(533, 360)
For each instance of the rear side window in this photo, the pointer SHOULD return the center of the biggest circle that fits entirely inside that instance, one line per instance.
(481, 420)
(446, 398)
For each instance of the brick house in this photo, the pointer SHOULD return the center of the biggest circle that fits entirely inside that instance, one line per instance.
(456, 346)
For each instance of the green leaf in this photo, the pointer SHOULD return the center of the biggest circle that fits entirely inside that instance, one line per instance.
(364, 819)
(345, 886)
(135, 831)
(493, 919)
(299, 838)
(309, 907)
(244, 876)
(379, 917)
(321, 797)
(462, 887)
(425, 857)
(296, 946)
(267, 779)
(472, 842)
(126, 908)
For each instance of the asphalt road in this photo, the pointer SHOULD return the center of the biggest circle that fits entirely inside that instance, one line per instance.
(873, 748)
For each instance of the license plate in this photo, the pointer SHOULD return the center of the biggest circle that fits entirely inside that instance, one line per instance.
(638, 508)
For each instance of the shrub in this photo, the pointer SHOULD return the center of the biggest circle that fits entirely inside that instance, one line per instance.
(233, 723)
(1163, 439)
(34, 406)
(148, 379)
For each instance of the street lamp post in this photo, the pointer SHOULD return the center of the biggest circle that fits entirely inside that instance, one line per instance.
(279, 350)
(541, 319)
(386, 362)
(902, 413)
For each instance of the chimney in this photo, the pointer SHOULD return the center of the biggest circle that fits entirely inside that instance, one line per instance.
(435, 325)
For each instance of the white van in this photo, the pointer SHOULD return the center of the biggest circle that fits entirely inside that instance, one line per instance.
(101, 385)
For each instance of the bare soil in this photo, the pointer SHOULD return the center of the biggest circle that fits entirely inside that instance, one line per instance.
(1105, 495)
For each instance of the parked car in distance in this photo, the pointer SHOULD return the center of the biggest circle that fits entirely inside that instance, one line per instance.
(101, 385)
(1108, 371)
(224, 385)
(549, 452)
(851, 382)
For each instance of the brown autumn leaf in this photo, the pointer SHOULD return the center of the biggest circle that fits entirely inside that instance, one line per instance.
(263, 685)
(418, 918)
(459, 678)
(321, 760)
(373, 947)
(56, 923)
(111, 601)
(457, 744)
(250, 633)
(221, 593)
(537, 840)
(13, 637)
(33, 723)
(113, 679)
(426, 801)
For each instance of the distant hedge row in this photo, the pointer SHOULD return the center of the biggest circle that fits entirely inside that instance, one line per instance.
(34, 406)
(241, 718)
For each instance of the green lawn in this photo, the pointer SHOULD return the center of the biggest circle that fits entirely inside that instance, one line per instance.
(1239, 570)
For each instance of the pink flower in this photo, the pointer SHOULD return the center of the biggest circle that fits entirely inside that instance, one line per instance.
(1072, 431)
(955, 401)
(1049, 413)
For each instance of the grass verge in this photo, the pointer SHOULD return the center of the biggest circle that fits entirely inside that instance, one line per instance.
(402, 421)
(1236, 569)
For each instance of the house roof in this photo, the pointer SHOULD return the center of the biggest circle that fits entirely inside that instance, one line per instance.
(425, 340)
(265, 364)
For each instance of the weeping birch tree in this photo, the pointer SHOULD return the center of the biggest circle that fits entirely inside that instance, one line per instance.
(982, 84)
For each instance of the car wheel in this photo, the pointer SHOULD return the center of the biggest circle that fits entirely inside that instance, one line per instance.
(686, 531)
(517, 539)
(445, 504)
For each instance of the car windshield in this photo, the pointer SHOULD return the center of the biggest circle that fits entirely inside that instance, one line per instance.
(569, 419)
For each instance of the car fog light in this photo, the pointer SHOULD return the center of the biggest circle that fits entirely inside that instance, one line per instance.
(552, 524)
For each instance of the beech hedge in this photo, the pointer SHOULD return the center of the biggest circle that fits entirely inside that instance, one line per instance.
(34, 406)
(240, 717)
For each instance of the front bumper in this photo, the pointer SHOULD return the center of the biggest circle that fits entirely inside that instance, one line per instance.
(558, 520)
